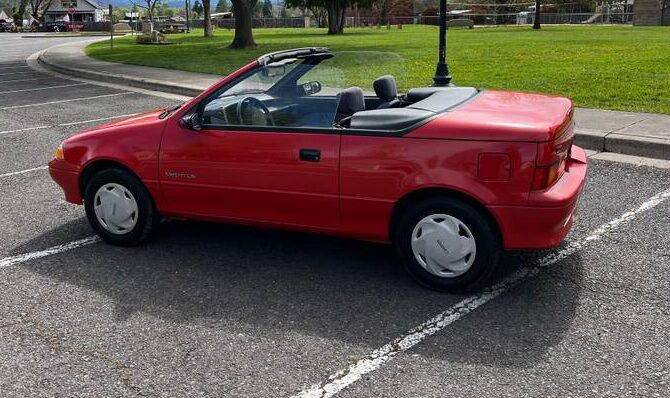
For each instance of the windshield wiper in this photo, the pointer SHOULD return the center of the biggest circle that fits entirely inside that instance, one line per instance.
(168, 111)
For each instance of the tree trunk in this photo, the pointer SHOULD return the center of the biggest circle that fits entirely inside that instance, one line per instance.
(335, 17)
(536, 22)
(208, 19)
(242, 10)
(18, 16)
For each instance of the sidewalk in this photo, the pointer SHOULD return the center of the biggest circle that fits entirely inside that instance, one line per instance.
(70, 59)
(629, 133)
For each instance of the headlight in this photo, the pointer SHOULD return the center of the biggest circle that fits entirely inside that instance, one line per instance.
(59, 153)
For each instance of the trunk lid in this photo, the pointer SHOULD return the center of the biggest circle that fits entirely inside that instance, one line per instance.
(503, 116)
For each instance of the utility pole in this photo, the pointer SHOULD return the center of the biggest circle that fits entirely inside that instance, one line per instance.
(442, 77)
(536, 22)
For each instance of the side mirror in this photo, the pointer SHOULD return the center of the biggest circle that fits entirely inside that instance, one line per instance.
(310, 88)
(191, 121)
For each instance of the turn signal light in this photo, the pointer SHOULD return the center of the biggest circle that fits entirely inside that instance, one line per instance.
(551, 159)
(59, 153)
(545, 176)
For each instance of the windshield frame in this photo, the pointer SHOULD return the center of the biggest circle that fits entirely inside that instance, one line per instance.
(310, 60)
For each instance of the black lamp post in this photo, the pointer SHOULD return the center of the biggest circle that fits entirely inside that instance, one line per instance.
(188, 23)
(442, 77)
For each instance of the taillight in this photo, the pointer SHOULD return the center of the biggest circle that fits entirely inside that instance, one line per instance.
(551, 158)
(545, 176)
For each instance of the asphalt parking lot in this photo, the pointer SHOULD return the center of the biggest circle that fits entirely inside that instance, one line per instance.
(217, 310)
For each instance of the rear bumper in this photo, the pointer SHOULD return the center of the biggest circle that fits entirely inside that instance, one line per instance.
(549, 215)
(68, 181)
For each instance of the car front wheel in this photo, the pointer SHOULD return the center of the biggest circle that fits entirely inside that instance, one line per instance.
(448, 245)
(119, 207)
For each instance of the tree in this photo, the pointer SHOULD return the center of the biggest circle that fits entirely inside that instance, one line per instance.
(334, 8)
(283, 12)
(20, 12)
(242, 10)
(197, 7)
(383, 8)
(222, 6)
(208, 17)
(120, 13)
(38, 8)
(148, 5)
(267, 9)
(536, 20)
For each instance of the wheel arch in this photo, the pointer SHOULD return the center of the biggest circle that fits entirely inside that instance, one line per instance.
(95, 166)
(436, 192)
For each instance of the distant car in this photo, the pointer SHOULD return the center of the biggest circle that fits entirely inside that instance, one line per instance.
(5, 26)
(450, 175)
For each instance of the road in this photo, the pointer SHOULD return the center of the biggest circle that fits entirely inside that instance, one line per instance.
(217, 310)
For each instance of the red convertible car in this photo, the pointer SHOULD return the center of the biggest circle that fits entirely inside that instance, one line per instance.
(450, 175)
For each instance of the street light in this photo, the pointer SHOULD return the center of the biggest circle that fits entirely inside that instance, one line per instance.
(188, 23)
(442, 77)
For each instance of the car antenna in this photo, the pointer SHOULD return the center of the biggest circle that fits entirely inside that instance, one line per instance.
(442, 77)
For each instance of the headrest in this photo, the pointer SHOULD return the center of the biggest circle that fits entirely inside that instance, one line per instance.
(385, 88)
(350, 101)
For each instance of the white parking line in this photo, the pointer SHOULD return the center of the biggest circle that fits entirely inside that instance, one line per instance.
(16, 73)
(67, 124)
(13, 173)
(380, 356)
(68, 100)
(24, 80)
(22, 258)
(42, 88)
(24, 66)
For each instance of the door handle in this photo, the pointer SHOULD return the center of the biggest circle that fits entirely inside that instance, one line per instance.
(310, 155)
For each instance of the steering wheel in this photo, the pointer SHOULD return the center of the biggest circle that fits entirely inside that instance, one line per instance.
(254, 102)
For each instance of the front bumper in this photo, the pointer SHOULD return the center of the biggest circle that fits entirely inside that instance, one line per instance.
(68, 181)
(549, 215)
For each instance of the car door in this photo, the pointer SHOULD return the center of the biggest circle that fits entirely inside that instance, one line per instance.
(259, 152)
(275, 177)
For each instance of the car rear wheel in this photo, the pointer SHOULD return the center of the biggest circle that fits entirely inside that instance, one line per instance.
(447, 244)
(119, 207)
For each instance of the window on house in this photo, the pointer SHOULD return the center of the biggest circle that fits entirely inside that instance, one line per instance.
(68, 3)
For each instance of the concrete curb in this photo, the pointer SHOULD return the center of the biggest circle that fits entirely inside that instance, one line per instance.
(594, 140)
(155, 85)
(648, 147)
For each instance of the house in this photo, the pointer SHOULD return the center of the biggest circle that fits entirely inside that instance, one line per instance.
(85, 11)
(4, 17)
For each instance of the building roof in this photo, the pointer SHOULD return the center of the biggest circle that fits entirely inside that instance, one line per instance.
(56, 6)
(6, 17)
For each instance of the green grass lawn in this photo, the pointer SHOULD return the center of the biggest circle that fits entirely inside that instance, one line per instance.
(612, 67)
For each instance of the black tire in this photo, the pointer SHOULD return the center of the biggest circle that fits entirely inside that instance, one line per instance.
(487, 240)
(147, 218)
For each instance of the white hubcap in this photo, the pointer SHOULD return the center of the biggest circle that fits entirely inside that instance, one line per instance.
(115, 208)
(443, 245)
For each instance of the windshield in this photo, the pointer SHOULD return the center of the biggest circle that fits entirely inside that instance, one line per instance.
(310, 91)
